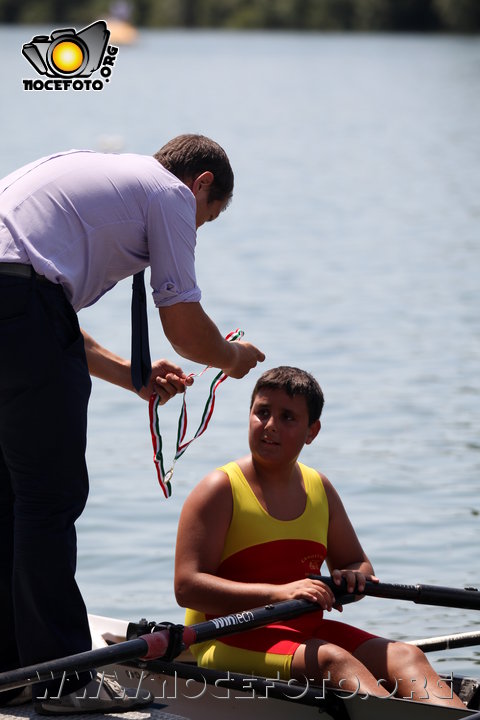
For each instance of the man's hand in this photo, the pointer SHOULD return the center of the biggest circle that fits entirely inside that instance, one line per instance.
(245, 357)
(166, 381)
(194, 336)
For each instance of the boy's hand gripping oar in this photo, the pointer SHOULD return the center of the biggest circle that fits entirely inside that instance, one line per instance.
(160, 641)
(466, 599)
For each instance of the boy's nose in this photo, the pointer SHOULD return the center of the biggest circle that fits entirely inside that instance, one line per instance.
(270, 424)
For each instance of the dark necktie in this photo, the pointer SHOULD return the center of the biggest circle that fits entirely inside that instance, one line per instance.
(141, 363)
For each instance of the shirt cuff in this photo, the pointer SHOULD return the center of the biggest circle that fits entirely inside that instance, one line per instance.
(169, 295)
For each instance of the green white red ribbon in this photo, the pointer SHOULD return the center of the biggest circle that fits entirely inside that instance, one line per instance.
(164, 478)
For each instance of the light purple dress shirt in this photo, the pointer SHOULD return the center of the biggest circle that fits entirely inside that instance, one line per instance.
(87, 220)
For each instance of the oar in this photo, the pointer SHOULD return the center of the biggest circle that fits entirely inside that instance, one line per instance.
(466, 599)
(447, 642)
(155, 644)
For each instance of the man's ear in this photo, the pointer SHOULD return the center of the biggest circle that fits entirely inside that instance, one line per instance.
(202, 181)
(313, 431)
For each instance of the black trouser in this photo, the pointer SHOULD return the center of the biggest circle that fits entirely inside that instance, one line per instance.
(44, 392)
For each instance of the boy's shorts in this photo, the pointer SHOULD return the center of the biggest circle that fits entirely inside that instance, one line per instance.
(268, 651)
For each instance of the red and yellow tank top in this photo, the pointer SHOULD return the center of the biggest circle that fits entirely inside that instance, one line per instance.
(261, 548)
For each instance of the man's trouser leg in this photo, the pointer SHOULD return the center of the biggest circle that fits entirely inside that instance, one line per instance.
(44, 391)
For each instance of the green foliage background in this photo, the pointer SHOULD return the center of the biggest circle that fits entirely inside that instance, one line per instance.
(461, 16)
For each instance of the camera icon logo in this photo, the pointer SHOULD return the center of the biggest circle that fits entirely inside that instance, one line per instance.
(67, 53)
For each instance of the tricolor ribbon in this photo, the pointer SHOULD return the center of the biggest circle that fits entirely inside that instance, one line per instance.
(164, 478)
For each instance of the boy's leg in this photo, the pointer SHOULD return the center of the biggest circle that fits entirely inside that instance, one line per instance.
(323, 662)
(329, 650)
(405, 669)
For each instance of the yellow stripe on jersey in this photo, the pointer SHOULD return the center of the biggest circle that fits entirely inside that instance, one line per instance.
(252, 525)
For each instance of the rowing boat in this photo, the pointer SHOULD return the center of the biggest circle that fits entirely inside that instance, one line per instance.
(182, 690)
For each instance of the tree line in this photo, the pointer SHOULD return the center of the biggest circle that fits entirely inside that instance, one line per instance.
(462, 16)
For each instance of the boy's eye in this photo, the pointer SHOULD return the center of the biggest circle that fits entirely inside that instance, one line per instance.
(262, 412)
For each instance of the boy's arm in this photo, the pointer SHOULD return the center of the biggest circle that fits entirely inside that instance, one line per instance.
(202, 529)
(345, 555)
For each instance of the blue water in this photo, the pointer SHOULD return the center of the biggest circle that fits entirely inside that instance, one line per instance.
(351, 249)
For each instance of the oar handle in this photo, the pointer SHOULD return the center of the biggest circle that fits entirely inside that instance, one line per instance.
(464, 598)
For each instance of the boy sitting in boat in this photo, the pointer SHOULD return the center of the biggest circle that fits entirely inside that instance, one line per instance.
(250, 534)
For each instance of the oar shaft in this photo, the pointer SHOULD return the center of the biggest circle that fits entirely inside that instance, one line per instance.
(247, 620)
(448, 597)
(466, 599)
(447, 642)
(155, 644)
(53, 669)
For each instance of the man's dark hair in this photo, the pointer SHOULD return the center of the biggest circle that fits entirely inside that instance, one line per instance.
(294, 382)
(188, 156)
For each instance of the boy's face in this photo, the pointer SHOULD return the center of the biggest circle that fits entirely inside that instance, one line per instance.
(279, 426)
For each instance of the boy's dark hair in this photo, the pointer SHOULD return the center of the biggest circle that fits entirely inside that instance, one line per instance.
(188, 156)
(294, 382)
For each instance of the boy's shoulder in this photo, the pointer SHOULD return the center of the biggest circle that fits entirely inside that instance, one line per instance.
(312, 472)
(211, 496)
(315, 476)
(215, 481)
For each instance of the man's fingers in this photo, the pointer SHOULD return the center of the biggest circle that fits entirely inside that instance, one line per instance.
(169, 386)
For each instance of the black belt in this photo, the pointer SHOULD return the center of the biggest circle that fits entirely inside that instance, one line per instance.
(20, 270)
